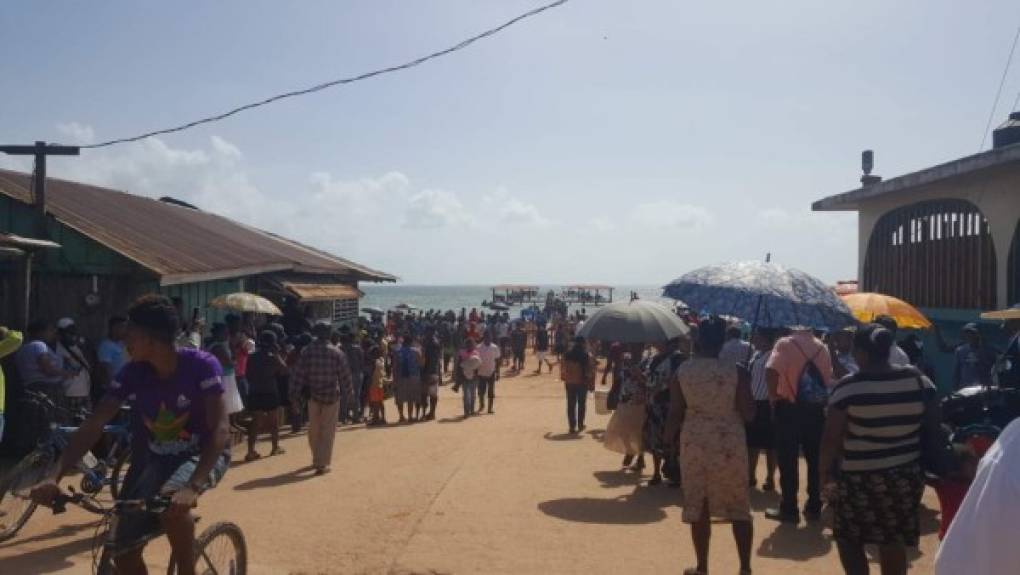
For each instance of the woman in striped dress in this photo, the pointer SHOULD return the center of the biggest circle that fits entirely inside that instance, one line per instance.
(872, 435)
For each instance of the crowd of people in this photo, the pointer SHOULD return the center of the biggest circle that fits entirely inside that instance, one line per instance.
(859, 410)
(856, 405)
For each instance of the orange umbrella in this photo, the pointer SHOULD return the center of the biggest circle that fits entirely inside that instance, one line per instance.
(867, 306)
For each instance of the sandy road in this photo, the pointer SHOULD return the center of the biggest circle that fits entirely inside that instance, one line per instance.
(503, 493)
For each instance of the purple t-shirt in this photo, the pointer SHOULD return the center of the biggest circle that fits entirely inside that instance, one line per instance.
(170, 415)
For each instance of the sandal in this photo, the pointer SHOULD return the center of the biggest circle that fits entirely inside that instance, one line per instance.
(252, 457)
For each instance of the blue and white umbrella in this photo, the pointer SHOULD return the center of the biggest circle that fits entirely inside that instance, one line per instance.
(765, 293)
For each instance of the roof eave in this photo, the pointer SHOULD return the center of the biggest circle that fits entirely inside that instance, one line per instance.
(852, 200)
(187, 278)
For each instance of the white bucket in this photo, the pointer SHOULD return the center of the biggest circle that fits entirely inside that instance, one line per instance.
(602, 401)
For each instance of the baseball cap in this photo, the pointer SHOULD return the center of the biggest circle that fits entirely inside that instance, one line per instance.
(64, 323)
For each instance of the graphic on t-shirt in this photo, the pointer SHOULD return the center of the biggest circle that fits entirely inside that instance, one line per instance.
(168, 435)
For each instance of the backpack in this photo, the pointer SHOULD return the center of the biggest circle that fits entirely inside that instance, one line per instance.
(811, 385)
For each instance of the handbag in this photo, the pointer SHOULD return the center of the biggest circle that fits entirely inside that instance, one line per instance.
(937, 455)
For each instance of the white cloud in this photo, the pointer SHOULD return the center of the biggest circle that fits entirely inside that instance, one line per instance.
(80, 134)
(225, 148)
(430, 209)
(668, 214)
(515, 211)
(602, 224)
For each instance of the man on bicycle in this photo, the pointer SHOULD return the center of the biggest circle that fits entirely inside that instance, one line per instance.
(180, 434)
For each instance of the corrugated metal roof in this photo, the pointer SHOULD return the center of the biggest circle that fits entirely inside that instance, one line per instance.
(179, 244)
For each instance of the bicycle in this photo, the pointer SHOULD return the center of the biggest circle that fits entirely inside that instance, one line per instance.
(16, 507)
(221, 536)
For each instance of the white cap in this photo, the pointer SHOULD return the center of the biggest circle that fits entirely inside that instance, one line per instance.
(64, 323)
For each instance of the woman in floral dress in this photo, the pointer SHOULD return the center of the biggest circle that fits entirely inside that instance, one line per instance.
(711, 405)
(624, 431)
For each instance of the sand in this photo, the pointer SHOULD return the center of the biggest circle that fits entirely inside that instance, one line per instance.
(504, 493)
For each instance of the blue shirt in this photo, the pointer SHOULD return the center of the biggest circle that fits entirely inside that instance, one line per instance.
(114, 354)
(973, 366)
(27, 362)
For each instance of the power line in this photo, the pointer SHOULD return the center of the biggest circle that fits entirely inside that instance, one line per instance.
(998, 93)
(405, 66)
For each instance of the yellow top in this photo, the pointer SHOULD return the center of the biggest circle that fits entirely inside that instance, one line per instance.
(8, 345)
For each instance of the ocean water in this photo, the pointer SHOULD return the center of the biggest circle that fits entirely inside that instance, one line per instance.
(455, 297)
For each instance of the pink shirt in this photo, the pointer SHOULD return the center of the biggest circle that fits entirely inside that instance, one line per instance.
(789, 357)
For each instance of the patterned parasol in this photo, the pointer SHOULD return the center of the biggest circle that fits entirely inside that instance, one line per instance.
(773, 295)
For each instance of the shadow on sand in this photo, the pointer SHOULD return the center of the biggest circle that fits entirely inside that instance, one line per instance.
(301, 474)
(799, 543)
(46, 560)
(643, 505)
(562, 436)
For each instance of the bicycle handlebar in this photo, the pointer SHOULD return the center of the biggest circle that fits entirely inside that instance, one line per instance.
(156, 504)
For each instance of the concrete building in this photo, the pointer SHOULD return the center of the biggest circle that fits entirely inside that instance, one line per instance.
(945, 238)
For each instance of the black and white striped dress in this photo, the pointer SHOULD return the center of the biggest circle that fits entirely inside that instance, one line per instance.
(881, 482)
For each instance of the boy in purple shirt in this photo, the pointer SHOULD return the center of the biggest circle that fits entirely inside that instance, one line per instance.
(180, 431)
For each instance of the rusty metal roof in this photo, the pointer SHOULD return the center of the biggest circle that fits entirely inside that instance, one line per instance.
(179, 244)
(322, 292)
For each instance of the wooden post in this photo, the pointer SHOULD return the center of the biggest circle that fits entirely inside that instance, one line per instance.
(39, 150)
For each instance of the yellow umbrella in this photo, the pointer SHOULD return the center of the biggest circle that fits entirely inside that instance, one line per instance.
(867, 306)
(1003, 314)
(244, 301)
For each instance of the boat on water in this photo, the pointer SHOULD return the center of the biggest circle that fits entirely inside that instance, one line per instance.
(587, 294)
(507, 295)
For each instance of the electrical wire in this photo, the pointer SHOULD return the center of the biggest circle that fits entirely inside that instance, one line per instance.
(325, 85)
(998, 93)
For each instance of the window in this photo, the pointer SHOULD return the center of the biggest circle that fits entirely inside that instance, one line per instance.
(345, 310)
(933, 254)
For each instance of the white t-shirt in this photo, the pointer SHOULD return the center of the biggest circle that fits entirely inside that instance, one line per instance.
(489, 354)
(898, 357)
(735, 351)
(81, 384)
(502, 330)
(982, 538)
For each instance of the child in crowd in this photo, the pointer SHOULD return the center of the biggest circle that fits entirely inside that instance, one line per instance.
(377, 389)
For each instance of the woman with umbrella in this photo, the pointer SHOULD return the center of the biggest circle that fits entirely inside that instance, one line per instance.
(712, 405)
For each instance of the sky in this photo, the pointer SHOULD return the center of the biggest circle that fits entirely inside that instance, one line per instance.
(603, 141)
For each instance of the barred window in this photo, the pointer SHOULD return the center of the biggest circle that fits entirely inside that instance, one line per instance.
(935, 253)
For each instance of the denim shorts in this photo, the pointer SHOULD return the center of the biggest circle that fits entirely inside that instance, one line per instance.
(152, 476)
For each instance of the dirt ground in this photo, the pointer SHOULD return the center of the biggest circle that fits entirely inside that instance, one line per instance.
(504, 493)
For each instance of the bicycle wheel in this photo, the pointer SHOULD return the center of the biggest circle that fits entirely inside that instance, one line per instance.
(119, 469)
(219, 550)
(15, 506)
(105, 565)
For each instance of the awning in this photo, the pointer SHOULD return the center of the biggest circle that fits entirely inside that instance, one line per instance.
(322, 292)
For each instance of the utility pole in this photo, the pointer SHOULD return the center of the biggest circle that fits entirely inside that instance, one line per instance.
(40, 150)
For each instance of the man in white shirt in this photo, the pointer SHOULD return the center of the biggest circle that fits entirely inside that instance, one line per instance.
(488, 371)
(735, 350)
(78, 387)
(982, 537)
(897, 357)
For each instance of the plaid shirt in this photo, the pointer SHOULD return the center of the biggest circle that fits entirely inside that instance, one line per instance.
(324, 370)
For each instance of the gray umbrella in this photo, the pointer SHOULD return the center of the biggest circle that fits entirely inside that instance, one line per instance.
(636, 321)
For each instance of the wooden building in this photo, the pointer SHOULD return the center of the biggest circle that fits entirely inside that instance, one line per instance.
(115, 246)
